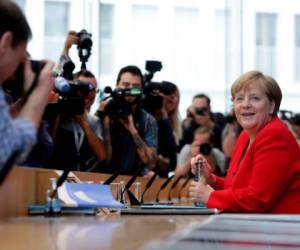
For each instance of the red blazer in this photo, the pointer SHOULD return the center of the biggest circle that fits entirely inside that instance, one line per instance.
(266, 179)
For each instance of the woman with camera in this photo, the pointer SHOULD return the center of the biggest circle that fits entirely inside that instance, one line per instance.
(263, 176)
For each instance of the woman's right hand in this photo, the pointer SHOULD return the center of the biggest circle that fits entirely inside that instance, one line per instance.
(206, 170)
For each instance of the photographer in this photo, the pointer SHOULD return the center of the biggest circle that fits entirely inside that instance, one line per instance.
(78, 142)
(201, 145)
(131, 138)
(161, 100)
(199, 114)
(292, 121)
(18, 132)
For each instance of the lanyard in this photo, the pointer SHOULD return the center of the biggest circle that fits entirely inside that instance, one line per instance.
(78, 137)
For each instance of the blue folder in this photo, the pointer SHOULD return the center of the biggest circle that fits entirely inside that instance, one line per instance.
(87, 196)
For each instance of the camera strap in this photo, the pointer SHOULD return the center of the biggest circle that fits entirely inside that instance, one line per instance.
(78, 138)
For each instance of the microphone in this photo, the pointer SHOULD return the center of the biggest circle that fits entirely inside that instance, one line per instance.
(59, 182)
(173, 186)
(163, 186)
(52, 194)
(62, 85)
(133, 200)
(183, 185)
(148, 185)
(113, 177)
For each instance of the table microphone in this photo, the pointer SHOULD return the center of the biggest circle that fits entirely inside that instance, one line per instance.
(133, 200)
(173, 186)
(163, 186)
(148, 185)
(52, 194)
(113, 177)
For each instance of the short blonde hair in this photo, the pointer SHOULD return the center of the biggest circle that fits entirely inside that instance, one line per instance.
(267, 84)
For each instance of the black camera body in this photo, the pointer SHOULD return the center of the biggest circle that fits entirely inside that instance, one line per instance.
(205, 149)
(152, 99)
(70, 92)
(285, 115)
(296, 119)
(117, 106)
(84, 46)
(14, 86)
(201, 111)
(70, 100)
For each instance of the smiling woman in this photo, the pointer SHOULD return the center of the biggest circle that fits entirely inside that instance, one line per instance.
(266, 160)
(256, 99)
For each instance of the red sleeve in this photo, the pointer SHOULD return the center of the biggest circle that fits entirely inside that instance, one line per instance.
(265, 183)
(218, 182)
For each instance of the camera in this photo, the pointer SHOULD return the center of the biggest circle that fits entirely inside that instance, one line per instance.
(70, 100)
(285, 115)
(152, 99)
(205, 149)
(151, 67)
(14, 86)
(296, 119)
(117, 106)
(201, 111)
(230, 119)
(70, 92)
(84, 47)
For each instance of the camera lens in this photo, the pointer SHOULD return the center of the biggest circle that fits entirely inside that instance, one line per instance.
(205, 149)
(201, 111)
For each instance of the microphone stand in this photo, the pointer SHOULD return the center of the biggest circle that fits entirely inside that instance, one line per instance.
(112, 177)
(173, 186)
(133, 200)
(148, 185)
(163, 187)
(59, 182)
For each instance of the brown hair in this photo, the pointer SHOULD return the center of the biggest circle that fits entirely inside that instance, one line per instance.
(267, 83)
(12, 19)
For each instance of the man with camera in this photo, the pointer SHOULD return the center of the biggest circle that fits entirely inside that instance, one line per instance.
(199, 114)
(131, 139)
(18, 131)
(78, 143)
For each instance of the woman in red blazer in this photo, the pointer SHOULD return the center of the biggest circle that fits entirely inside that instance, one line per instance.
(264, 172)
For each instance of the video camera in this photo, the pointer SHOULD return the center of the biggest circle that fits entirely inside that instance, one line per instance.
(70, 92)
(70, 100)
(117, 106)
(152, 100)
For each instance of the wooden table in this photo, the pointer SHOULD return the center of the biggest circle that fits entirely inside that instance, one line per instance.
(115, 231)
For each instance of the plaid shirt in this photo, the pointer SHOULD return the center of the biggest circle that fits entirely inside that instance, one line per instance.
(16, 135)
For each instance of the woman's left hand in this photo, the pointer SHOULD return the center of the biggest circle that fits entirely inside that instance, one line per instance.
(200, 192)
